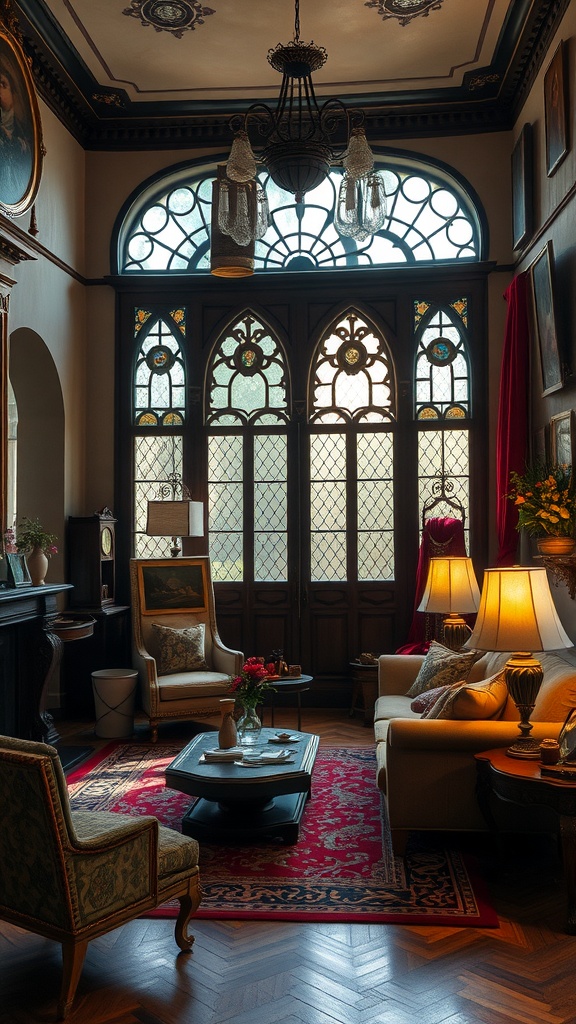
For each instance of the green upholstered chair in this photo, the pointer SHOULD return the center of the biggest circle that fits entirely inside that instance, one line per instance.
(72, 875)
(167, 692)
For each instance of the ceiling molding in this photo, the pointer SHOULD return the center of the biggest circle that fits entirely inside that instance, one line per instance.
(100, 118)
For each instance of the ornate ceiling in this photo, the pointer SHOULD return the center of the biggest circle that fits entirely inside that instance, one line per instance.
(148, 73)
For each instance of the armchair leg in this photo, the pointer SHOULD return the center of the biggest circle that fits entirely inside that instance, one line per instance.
(189, 904)
(73, 954)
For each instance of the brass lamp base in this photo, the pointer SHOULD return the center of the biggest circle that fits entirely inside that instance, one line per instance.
(523, 679)
(455, 631)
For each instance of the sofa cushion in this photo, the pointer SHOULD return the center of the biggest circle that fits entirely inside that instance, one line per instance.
(426, 700)
(442, 667)
(392, 705)
(471, 701)
(179, 650)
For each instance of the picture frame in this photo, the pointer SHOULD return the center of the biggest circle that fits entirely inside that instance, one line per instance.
(172, 585)
(544, 320)
(522, 188)
(562, 438)
(21, 148)
(567, 738)
(17, 570)
(555, 110)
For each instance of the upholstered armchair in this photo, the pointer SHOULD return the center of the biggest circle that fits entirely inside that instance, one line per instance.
(183, 666)
(72, 875)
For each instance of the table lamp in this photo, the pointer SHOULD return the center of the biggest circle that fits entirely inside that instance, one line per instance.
(175, 519)
(517, 613)
(451, 590)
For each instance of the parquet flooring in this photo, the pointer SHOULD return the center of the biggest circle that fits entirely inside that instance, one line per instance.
(522, 972)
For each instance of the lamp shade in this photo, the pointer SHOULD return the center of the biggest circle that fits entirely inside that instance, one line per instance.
(175, 519)
(517, 613)
(451, 587)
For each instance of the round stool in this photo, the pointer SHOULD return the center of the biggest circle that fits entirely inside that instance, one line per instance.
(114, 690)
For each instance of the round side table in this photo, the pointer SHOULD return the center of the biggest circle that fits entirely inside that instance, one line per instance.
(296, 685)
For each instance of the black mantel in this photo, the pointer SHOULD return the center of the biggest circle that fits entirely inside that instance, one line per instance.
(26, 657)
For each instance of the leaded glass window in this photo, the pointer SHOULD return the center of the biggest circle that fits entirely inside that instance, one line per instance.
(442, 384)
(431, 218)
(444, 468)
(247, 387)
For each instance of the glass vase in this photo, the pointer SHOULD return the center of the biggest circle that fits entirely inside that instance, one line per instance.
(249, 727)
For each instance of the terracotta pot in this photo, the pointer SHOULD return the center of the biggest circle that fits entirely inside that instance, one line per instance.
(37, 563)
(556, 545)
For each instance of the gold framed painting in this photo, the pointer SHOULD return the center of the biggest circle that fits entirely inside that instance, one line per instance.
(21, 147)
(544, 319)
(555, 110)
(172, 585)
(562, 438)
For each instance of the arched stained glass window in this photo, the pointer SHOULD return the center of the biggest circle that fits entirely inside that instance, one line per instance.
(432, 218)
(159, 377)
(351, 379)
(159, 416)
(352, 392)
(442, 368)
(247, 411)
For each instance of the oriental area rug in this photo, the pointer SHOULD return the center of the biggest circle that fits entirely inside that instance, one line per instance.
(341, 869)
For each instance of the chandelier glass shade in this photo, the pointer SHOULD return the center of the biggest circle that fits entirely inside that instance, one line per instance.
(298, 152)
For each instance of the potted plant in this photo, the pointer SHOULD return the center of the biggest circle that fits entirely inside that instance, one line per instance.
(546, 503)
(37, 545)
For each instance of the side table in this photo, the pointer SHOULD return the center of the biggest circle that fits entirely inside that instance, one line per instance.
(520, 781)
(364, 686)
(284, 685)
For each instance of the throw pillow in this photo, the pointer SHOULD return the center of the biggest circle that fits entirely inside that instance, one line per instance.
(442, 667)
(427, 699)
(472, 701)
(179, 650)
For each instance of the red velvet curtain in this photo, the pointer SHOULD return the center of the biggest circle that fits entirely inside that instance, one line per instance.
(440, 536)
(512, 430)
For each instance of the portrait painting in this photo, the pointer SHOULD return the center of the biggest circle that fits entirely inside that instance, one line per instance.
(20, 129)
(544, 320)
(172, 585)
(522, 188)
(555, 111)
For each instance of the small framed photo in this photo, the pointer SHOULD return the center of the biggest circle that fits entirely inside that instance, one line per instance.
(567, 738)
(522, 188)
(562, 435)
(172, 585)
(555, 110)
(544, 318)
(18, 575)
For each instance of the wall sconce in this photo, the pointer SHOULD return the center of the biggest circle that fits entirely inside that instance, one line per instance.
(175, 519)
(451, 590)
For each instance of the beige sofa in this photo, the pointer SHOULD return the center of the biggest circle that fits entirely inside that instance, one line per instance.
(426, 767)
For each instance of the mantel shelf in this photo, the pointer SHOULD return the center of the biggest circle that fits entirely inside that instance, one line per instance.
(563, 568)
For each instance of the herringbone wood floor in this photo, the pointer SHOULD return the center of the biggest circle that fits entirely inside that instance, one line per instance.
(522, 972)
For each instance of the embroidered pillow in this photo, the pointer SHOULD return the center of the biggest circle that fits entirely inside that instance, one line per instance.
(179, 650)
(442, 667)
(472, 701)
(427, 699)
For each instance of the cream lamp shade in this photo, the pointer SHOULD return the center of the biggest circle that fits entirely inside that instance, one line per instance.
(175, 519)
(451, 590)
(517, 613)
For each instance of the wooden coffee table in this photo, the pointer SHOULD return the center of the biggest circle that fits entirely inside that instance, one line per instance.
(244, 804)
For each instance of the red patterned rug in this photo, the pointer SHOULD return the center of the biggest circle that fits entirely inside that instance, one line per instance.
(342, 868)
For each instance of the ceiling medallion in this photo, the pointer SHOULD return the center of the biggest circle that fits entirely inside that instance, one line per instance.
(175, 16)
(404, 10)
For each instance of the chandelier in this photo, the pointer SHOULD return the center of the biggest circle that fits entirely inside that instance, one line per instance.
(298, 152)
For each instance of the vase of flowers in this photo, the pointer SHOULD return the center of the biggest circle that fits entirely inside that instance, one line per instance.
(546, 503)
(38, 546)
(250, 688)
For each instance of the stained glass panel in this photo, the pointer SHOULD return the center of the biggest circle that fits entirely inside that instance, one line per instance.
(247, 381)
(443, 455)
(159, 374)
(352, 377)
(156, 459)
(442, 376)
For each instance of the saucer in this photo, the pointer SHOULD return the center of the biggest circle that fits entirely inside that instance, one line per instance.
(284, 737)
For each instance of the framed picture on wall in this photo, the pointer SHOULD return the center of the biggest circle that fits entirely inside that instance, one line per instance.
(172, 585)
(18, 574)
(21, 147)
(544, 319)
(522, 188)
(555, 111)
(562, 435)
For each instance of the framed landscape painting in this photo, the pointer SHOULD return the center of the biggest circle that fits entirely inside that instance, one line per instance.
(562, 438)
(555, 111)
(544, 320)
(172, 585)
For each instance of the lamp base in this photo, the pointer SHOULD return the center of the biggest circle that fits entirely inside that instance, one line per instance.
(524, 749)
(455, 632)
